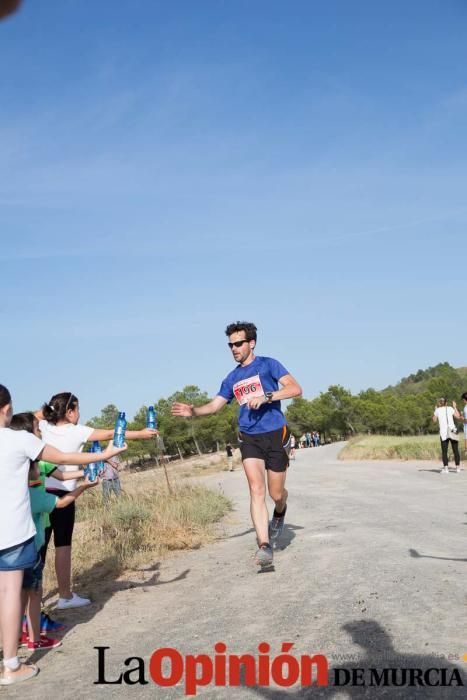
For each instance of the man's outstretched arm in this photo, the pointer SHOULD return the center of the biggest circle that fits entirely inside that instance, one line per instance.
(187, 410)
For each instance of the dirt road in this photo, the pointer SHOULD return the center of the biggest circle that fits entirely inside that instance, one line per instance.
(372, 568)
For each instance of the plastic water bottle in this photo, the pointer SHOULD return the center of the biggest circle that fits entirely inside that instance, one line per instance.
(95, 469)
(91, 471)
(120, 429)
(96, 447)
(151, 418)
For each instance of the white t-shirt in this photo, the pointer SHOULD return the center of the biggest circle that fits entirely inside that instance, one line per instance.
(17, 447)
(445, 418)
(67, 438)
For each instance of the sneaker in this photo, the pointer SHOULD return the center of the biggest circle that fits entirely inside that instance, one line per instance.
(23, 640)
(49, 625)
(458, 470)
(444, 471)
(44, 643)
(276, 526)
(264, 555)
(74, 602)
(23, 673)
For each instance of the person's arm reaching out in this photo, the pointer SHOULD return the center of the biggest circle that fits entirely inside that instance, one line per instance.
(186, 410)
(51, 454)
(108, 433)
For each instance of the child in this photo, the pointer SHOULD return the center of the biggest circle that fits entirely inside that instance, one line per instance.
(28, 421)
(17, 548)
(41, 503)
(59, 425)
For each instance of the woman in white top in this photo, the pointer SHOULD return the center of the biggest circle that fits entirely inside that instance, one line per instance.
(445, 415)
(59, 425)
(464, 398)
(17, 549)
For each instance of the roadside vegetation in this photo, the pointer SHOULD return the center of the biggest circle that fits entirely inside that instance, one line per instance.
(423, 447)
(403, 409)
(140, 527)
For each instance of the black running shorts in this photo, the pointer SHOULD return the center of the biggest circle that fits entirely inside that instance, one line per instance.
(273, 448)
(62, 522)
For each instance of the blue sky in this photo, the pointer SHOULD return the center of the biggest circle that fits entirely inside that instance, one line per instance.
(167, 168)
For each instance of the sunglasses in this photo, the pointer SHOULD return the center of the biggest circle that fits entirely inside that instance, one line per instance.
(237, 344)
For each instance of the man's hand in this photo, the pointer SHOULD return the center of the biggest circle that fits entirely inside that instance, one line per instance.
(182, 409)
(256, 403)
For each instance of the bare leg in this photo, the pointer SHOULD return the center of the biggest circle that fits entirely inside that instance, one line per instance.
(277, 490)
(63, 571)
(10, 611)
(254, 470)
(34, 614)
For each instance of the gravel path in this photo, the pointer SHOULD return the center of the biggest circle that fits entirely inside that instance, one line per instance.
(372, 567)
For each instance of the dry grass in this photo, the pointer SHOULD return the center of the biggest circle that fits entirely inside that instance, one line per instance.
(423, 447)
(140, 526)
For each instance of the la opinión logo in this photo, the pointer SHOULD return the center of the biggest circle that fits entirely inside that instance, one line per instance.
(168, 667)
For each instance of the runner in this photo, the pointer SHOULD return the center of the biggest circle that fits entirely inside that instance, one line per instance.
(264, 437)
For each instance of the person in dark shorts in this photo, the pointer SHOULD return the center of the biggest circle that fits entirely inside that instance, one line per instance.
(258, 384)
(229, 452)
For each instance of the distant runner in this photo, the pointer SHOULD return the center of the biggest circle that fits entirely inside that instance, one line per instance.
(264, 437)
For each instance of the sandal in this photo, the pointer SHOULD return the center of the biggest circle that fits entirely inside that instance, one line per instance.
(23, 673)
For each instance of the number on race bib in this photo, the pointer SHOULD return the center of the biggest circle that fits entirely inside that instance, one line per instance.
(246, 387)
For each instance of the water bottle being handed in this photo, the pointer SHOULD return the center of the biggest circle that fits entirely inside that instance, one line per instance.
(151, 421)
(92, 470)
(96, 447)
(120, 429)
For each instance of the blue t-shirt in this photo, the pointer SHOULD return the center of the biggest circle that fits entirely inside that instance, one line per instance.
(245, 383)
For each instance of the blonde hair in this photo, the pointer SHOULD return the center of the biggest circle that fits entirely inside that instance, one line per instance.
(441, 402)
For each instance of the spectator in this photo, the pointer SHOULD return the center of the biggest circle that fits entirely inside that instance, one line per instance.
(229, 450)
(111, 479)
(292, 447)
(464, 397)
(445, 415)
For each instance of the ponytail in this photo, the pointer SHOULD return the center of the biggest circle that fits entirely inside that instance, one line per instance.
(58, 406)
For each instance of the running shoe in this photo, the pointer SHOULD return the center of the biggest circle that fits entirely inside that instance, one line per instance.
(49, 625)
(276, 526)
(44, 643)
(444, 471)
(264, 555)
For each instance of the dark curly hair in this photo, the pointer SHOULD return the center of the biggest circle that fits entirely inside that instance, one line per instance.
(249, 328)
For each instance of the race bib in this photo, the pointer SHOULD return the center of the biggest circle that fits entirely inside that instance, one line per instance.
(248, 389)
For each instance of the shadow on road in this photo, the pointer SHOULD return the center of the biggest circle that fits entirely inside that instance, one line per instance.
(287, 536)
(101, 592)
(378, 653)
(416, 555)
